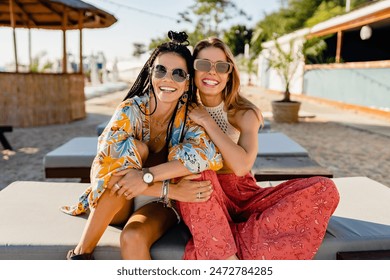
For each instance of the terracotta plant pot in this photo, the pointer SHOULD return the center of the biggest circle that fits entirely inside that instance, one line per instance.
(285, 112)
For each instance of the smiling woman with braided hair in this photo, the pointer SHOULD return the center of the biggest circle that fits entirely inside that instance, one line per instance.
(148, 141)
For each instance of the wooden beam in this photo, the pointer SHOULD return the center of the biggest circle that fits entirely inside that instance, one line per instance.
(64, 55)
(51, 8)
(339, 46)
(81, 15)
(25, 16)
(12, 17)
(59, 14)
(29, 49)
(375, 17)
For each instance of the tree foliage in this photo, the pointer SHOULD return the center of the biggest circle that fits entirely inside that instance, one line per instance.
(208, 15)
(325, 11)
(296, 15)
(286, 20)
(236, 38)
(139, 49)
(313, 49)
(158, 41)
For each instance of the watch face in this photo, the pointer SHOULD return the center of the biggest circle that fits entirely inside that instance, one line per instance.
(148, 178)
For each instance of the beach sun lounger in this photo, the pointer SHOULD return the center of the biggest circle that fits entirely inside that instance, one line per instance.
(266, 127)
(278, 144)
(33, 227)
(101, 127)
(281, 158)
(287, 167)
(74, 158)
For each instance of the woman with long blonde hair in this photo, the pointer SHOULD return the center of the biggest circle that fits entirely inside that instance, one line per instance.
(242, 220)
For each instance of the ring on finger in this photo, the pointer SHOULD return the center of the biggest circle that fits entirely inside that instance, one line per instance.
(126, 193)
(117, 186)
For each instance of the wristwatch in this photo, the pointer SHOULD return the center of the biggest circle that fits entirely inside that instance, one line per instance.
(147, 176)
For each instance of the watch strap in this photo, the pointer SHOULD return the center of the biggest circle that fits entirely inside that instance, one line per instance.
(146, 170)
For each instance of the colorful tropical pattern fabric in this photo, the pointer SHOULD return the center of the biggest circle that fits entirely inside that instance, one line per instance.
(117, 150)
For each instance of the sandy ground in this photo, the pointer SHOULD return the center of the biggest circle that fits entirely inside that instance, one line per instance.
(345, 150)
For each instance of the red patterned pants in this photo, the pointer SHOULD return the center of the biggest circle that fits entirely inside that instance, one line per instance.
(287, 221)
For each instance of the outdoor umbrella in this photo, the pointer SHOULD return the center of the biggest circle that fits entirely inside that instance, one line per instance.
(56, 14)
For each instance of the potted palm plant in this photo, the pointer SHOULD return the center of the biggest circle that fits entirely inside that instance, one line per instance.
(285, 62)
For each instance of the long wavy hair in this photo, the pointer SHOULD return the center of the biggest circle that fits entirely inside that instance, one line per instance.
(143, 84)
(231, 94)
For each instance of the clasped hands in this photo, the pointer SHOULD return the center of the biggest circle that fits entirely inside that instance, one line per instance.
(128, 183)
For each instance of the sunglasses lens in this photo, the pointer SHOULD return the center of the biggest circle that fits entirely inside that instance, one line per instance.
(222, 67)
(179, 75)
(159, 71)
(202, 65)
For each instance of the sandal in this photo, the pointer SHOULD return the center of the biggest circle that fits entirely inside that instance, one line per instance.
(72, 256)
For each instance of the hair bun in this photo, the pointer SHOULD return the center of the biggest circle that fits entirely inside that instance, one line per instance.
(178, 37)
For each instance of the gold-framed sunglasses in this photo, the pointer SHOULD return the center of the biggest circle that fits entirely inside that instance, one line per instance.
(205, 65)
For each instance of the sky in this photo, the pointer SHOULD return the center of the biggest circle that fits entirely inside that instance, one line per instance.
(116, 42)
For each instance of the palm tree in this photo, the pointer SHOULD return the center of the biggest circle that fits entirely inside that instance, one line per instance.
(285, 62)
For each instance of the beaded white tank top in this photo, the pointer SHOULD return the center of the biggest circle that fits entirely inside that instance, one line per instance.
(221, 118)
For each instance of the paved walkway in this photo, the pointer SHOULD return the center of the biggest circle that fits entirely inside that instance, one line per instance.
(348, 143)
(325, 112)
